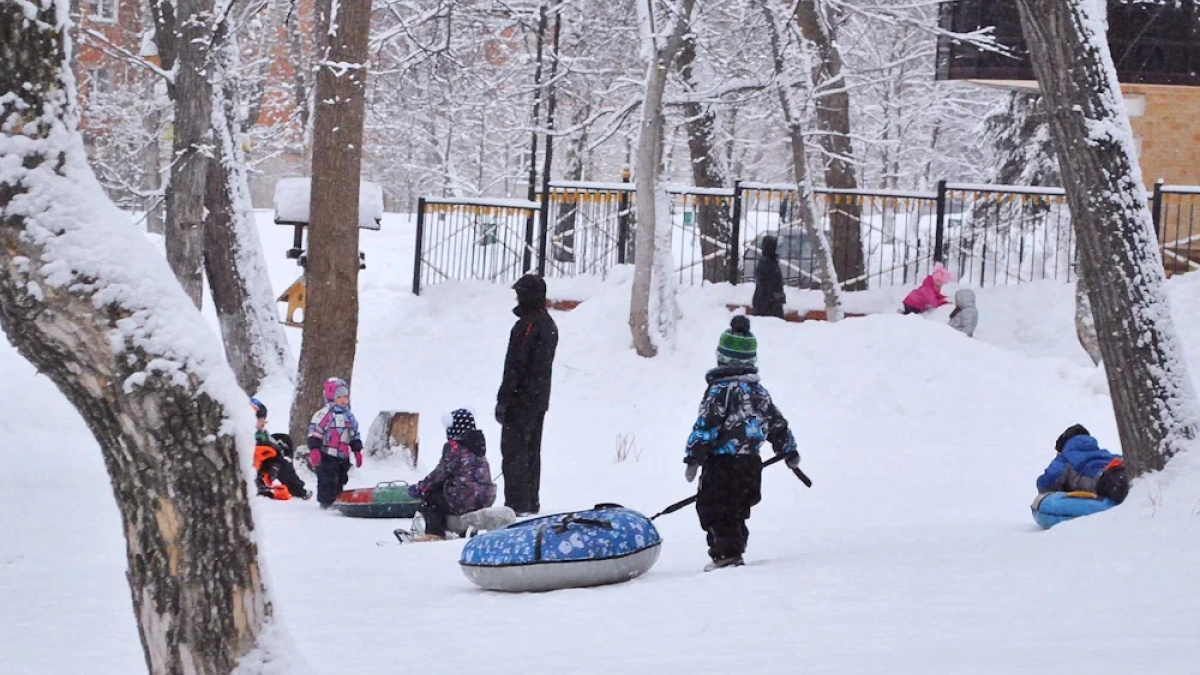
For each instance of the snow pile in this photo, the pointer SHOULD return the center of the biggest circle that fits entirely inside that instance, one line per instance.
(914, 552)
(292, 201)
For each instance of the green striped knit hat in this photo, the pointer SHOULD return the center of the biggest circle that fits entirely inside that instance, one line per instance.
(737, 346)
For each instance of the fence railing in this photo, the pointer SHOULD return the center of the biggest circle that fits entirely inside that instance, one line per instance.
(985, 234)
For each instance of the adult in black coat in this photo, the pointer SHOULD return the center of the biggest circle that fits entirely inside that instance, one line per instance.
(768, 280)
(524, 395)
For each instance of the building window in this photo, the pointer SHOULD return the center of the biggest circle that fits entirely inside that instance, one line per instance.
(104, 10)
(100, 83)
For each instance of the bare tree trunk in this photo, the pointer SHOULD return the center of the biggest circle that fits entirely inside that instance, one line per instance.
(190, 31)
(1085, 323)
(91, 305)
(806, 208)
(331, 314)
(833, 121)
(1152, 392)
(255, 345)
(648, 170)
(712, 221)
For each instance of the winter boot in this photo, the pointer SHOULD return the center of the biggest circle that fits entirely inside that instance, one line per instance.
(718, 563)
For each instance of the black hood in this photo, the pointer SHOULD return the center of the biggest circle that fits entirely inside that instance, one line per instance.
(531, 294)
(729, 372)
(474, 441)
(770, 246)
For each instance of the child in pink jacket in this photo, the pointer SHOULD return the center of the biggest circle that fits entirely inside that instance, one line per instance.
(928, 296)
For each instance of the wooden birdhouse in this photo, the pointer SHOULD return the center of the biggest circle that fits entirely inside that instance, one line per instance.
(294, 297)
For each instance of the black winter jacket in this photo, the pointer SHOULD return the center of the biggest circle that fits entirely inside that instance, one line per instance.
(768, 282)
(530, 360)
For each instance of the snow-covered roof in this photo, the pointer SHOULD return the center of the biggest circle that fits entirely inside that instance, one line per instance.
(292, 197)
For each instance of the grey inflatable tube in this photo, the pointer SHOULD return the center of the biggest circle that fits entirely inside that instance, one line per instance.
(552, 576)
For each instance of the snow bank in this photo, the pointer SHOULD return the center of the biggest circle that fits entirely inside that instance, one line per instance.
(914, 552)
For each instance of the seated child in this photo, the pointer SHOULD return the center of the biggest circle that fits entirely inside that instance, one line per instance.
(1081, 465)
(965, 316)
(275, 477)
(462, 481)
(928, 296)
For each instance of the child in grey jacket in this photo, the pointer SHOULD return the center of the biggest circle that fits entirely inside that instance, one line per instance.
(965, 316)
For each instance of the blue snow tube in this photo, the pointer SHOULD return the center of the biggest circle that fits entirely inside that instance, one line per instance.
(605, 545)
(1052, 508)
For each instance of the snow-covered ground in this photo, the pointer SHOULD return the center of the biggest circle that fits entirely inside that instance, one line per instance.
(913, 553)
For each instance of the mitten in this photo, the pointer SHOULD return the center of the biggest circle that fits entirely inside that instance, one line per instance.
(358, 460)
(792, 459)
(500, 414)
(314, 458)
(690, 472)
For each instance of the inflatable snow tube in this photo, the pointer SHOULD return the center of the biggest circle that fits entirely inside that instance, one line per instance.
(1052, 508)
(385, 500)
(605, 545)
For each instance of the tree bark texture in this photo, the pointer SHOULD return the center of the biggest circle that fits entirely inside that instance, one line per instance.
(1152, 392)
(712, 220)
(191, 40)
(331, 312)
(648, 169)
(833, 122)
(806, 207)
(255, 345)
(197, 590)
(1085, 323)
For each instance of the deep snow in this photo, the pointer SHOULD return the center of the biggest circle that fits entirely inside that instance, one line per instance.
(913, 553)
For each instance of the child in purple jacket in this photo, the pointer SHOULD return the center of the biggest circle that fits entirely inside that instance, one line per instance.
(462, 481)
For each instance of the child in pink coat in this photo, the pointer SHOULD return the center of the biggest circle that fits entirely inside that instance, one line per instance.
(928, 296)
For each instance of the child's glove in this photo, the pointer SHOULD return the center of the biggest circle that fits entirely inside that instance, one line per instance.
(314, 457)
(792, 459)
(690, 472)
(500, 414)
(357, 459)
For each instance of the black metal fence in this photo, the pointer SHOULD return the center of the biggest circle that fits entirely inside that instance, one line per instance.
(986, 235)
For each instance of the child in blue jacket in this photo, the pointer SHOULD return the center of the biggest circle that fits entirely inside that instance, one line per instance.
(1082, 465)
(736, 416)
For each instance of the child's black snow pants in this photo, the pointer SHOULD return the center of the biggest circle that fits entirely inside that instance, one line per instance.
(332, 475)
(435, 510)
(729, 486)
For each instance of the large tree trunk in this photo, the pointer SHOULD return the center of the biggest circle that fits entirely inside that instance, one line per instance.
(1085, 322)
(255, 345)
(712, 220)
(648, 175)
(331, 312)
(833, 122)
(1152, 392)
(91, 304)
(806, 207)
(189, 31)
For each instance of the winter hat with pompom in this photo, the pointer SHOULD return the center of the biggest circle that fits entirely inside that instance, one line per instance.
(940, 274)
(737, 346)
(458, 423)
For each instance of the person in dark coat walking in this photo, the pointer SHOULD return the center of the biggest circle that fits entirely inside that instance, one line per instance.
(524, 395)
(768, 280)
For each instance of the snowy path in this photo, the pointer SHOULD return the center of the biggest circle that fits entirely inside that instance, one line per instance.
(913, 553)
